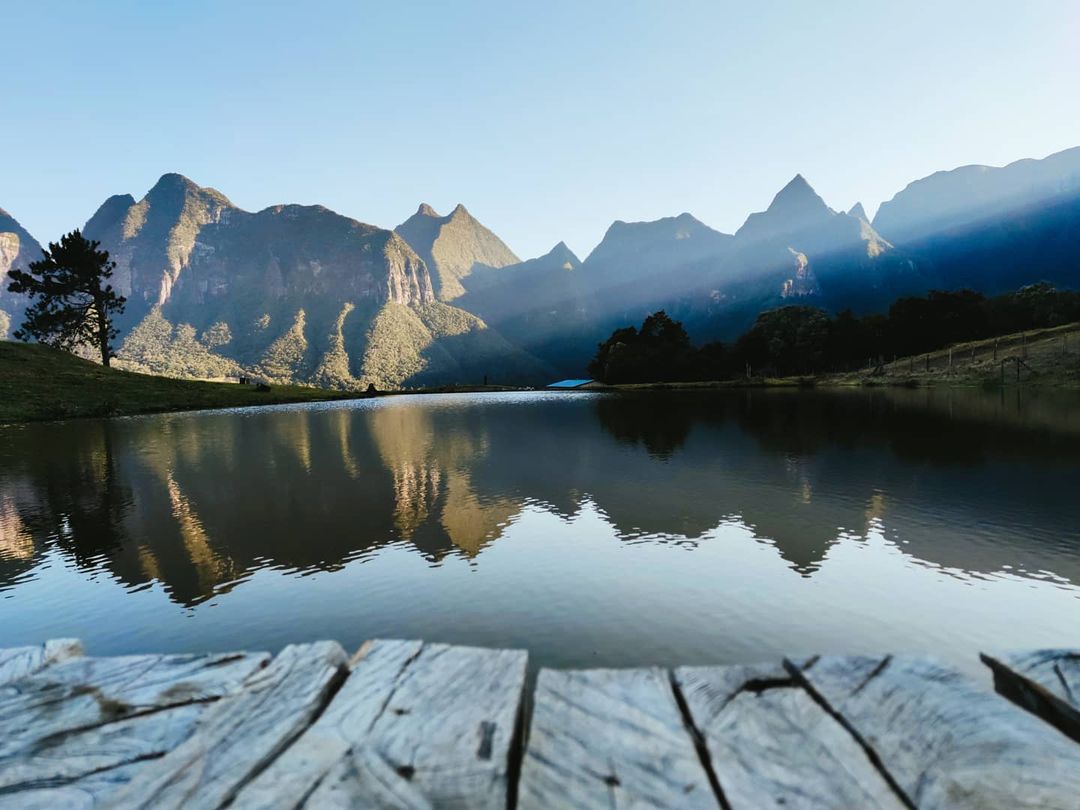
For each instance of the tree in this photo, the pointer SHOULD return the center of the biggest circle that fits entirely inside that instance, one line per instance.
(789, 340)
(659, 352)
(73, 301)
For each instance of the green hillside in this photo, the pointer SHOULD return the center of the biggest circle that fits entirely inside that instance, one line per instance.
(37, 382)
(1048, 356)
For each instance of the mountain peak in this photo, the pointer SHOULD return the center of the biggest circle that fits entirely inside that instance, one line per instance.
(426, 210)
(563, 254)
(172, 180)
(112, 211)
(460, 210)
(794, 208)
(175, 188)
(859, 212)
(797, 195)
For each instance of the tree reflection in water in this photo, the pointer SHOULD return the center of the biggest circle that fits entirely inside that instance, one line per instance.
(971, 481)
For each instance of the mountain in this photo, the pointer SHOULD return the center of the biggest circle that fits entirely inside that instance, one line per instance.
(795, 209)
(797, 249)
(17, 249)
(151, 240)
(964, 196)
(639, 263)
(542, 305)
(1006, 251)
(453, 247)
(993, 229)
(859, 213)
(290, 293)
(800, 249)
(301, 293)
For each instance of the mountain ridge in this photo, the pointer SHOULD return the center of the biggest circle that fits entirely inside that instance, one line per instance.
(967, 194)
(453, 246)
(288, 293)
(301, 292)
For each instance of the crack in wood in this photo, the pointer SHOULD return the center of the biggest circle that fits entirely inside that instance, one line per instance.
(1064, 683)
(875, 760)
(698, 737)
(873, 674)
(397, 683)
(487, 736)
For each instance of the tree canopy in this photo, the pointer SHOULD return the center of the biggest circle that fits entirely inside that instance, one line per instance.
(802, 340)
(659, 351)
(73, 303)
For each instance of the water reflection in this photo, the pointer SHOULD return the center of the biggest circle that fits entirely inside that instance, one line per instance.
(972, 483)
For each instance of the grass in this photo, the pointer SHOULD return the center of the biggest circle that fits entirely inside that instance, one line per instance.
(1051, 358)
(39, 383)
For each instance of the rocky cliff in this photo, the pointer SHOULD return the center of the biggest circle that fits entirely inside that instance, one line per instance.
(291, 294)
(454, 247)
(17, 249)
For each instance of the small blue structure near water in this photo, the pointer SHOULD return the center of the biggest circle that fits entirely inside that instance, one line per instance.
(569, 385)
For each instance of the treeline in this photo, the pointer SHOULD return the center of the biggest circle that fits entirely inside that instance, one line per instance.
(802, 340)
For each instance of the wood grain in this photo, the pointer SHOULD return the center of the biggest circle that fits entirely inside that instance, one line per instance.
(772, 745)
(1045, 682)
(347, 721)
(88, 715)
(18, 662)
(431, 727)
(242, 733)
(610, 738)
(946, 742)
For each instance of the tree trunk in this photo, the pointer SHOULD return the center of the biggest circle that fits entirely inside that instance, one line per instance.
(103, 331)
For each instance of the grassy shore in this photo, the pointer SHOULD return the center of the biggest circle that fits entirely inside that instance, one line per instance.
(1047, 357)
(38, 383)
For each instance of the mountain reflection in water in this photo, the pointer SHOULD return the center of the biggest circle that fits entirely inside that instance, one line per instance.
(973, 485)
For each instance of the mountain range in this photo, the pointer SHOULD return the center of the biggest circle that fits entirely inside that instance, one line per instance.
(304, 294)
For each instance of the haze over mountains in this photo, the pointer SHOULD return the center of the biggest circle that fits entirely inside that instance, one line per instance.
(301, 293)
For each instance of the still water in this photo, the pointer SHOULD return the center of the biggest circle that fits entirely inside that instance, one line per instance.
(591, 529)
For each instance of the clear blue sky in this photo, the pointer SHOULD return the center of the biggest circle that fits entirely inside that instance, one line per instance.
(547, 119)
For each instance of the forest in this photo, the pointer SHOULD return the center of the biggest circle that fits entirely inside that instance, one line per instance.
(803, 340)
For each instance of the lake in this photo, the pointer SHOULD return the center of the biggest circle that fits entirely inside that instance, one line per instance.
(591, 529)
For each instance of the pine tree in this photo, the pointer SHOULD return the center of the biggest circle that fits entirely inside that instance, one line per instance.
(73, 301)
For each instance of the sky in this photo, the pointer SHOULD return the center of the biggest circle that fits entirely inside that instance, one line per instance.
(548, 120)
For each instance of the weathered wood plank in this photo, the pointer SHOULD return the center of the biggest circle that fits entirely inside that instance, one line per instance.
(18, 662)
(772, 745)
(88, 715)
(242, 733)
(1045, 682)
(415, 726)
(946, 742)
(347, 721)
(610, 738)
(82, 770)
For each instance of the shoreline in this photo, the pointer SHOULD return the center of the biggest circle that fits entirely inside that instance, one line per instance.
(45, 385)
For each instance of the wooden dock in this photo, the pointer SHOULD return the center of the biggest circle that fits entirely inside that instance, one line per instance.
(407, 724)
